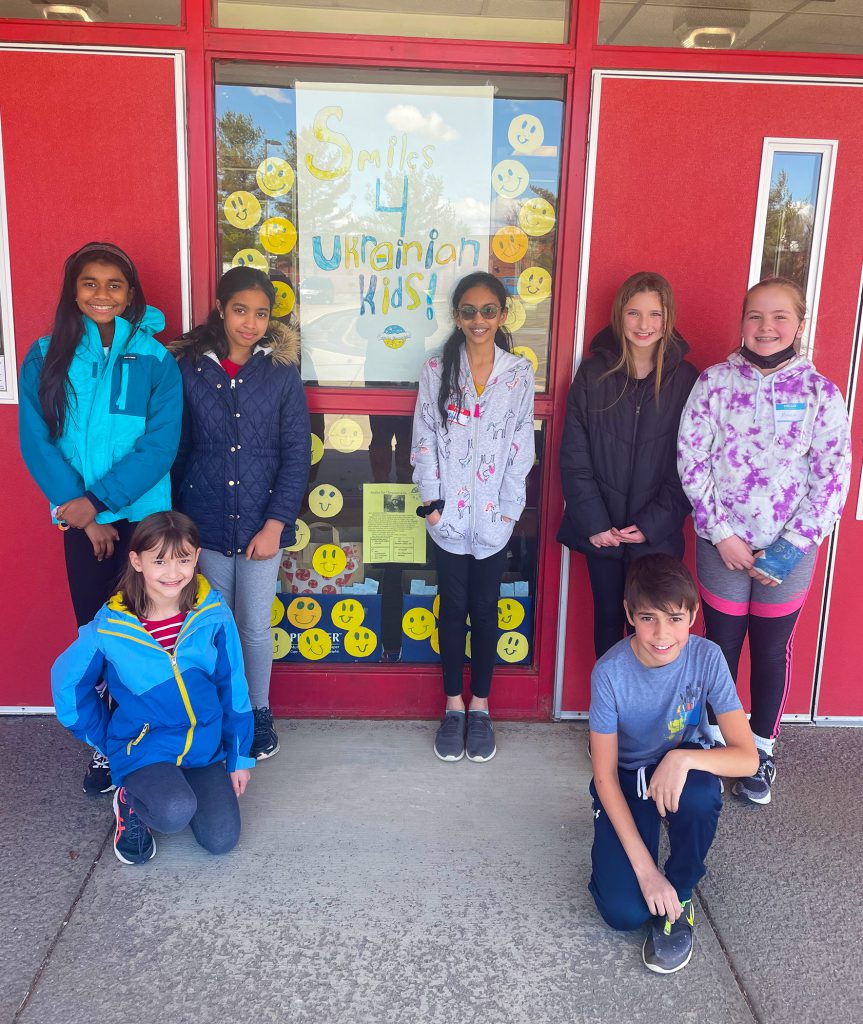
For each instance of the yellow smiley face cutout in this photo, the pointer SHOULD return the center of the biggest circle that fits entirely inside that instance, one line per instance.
(304, 612)
(242, 209)
(528, 353)
(317, 449)
(467, 645)
(275, 177)
(434, 639)
(345, 435)
(314, 644)
(510, 244)
(436, 606)
(360, 643)
(278, 235)
(303, 535)
(277, 612)
(285, 299)
(536, 217)
(510, 614)
(512, 647)
(251, 258)
(516, 314)
(525, 133)
(329, 560)
(326, 501)
(418, 623)
(534, 285)
(509, 178)
(282, 643)
(348, 614)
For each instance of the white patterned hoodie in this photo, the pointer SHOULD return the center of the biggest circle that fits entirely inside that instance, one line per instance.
(764, 457)
(478, 463)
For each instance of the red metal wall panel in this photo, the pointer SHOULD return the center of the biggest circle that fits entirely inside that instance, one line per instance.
(677, 175)
(90, 146)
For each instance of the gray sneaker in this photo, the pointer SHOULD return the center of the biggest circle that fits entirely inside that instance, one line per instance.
(480, 745)
(756, 788)
(668, 947)
(449, 741)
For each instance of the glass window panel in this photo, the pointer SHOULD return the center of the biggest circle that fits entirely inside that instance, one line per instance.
(791, 209)
(816, 26)
(353, 451)
(367, 195)
(153, 12)
(529, 21)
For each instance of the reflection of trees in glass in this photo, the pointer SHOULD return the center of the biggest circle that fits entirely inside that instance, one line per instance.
(241, 145)
(788, 233)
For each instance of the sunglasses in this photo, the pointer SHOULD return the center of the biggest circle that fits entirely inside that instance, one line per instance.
(487, 312)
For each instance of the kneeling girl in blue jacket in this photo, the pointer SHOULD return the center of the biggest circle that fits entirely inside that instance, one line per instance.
(179, 739)
(243, 464)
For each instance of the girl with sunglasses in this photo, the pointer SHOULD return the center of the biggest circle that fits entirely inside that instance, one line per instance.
(472, 450)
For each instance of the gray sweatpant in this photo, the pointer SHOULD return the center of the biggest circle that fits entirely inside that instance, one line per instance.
(249, 588)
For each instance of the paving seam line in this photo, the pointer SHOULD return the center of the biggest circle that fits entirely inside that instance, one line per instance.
(705, 906)
(37, 977)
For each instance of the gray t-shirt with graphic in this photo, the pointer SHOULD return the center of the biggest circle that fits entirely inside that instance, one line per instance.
(654, 710)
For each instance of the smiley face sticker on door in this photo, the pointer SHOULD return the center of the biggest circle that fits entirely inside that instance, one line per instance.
(509, 244)
(534, 285)
(513, 647)
(360, 643)
(418, 623)
(509, 178)
(285, 299)
(282, 643)
(525, 133)
(329, 560)
(345, 435)
(348, 614)
(242, 209)
(251, 258)
(278, 235)
(326, 501)
(314, 644)
(536, 216)
(304, 612)
(275, 177)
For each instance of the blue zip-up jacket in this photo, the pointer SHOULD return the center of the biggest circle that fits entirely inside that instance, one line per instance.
(245, 448)
(190, 708)
(122, 424)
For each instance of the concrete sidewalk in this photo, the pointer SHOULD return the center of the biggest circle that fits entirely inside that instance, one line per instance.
(376, 884)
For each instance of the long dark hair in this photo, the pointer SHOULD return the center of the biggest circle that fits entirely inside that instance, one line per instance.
(210, 335)
(68, 330)
(167, 533)
(451, 355)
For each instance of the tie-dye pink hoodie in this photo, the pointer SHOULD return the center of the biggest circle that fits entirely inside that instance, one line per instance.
(764, 457)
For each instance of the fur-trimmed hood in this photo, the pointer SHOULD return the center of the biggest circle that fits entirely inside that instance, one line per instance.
(282, 342)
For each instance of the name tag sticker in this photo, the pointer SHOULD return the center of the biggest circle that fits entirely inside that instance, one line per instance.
(790, 412)
(456, 415)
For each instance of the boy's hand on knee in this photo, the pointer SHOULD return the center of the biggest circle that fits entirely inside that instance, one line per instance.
(240, 779)
(660, 895)
(668, 781)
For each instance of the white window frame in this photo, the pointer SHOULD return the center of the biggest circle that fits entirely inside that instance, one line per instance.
(9, 394)
(827, 149)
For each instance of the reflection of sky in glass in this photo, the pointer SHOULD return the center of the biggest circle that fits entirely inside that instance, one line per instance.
(802, 171)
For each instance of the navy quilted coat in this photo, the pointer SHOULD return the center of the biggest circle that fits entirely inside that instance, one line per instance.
(245, 445)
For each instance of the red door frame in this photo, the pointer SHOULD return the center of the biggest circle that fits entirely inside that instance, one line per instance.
(519, 693)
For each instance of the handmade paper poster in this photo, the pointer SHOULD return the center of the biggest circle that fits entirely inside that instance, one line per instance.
(393, 208)
(392, 530)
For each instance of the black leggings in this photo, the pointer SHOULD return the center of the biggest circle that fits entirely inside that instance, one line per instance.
(607, 577)
(92, 582)
(468, 586)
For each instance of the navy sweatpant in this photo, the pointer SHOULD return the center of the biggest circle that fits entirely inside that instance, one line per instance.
(168, 798)
(691, 829)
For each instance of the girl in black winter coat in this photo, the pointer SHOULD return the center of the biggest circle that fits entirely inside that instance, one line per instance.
(243, 464)
(619, 449)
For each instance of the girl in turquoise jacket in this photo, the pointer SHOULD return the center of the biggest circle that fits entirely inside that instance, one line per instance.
(179, 737)
(100, 415)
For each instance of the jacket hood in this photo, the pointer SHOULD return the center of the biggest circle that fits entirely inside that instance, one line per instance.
(607, 347)
(283, 344)
(117, 603)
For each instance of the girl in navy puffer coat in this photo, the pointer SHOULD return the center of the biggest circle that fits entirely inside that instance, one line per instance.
(243, 463)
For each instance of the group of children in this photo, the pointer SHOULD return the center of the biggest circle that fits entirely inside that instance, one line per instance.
(168, 680)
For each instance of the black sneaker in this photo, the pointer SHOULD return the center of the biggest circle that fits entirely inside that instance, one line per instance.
(133, 841)
(480, 745)
(449, 741)
(757, 787)
(266, 741)
(668, 947)
(97, 778)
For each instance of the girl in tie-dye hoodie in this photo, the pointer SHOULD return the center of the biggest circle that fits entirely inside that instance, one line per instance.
(764, 456)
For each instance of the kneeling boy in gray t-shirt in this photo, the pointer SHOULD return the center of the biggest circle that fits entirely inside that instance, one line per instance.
(651, 756)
